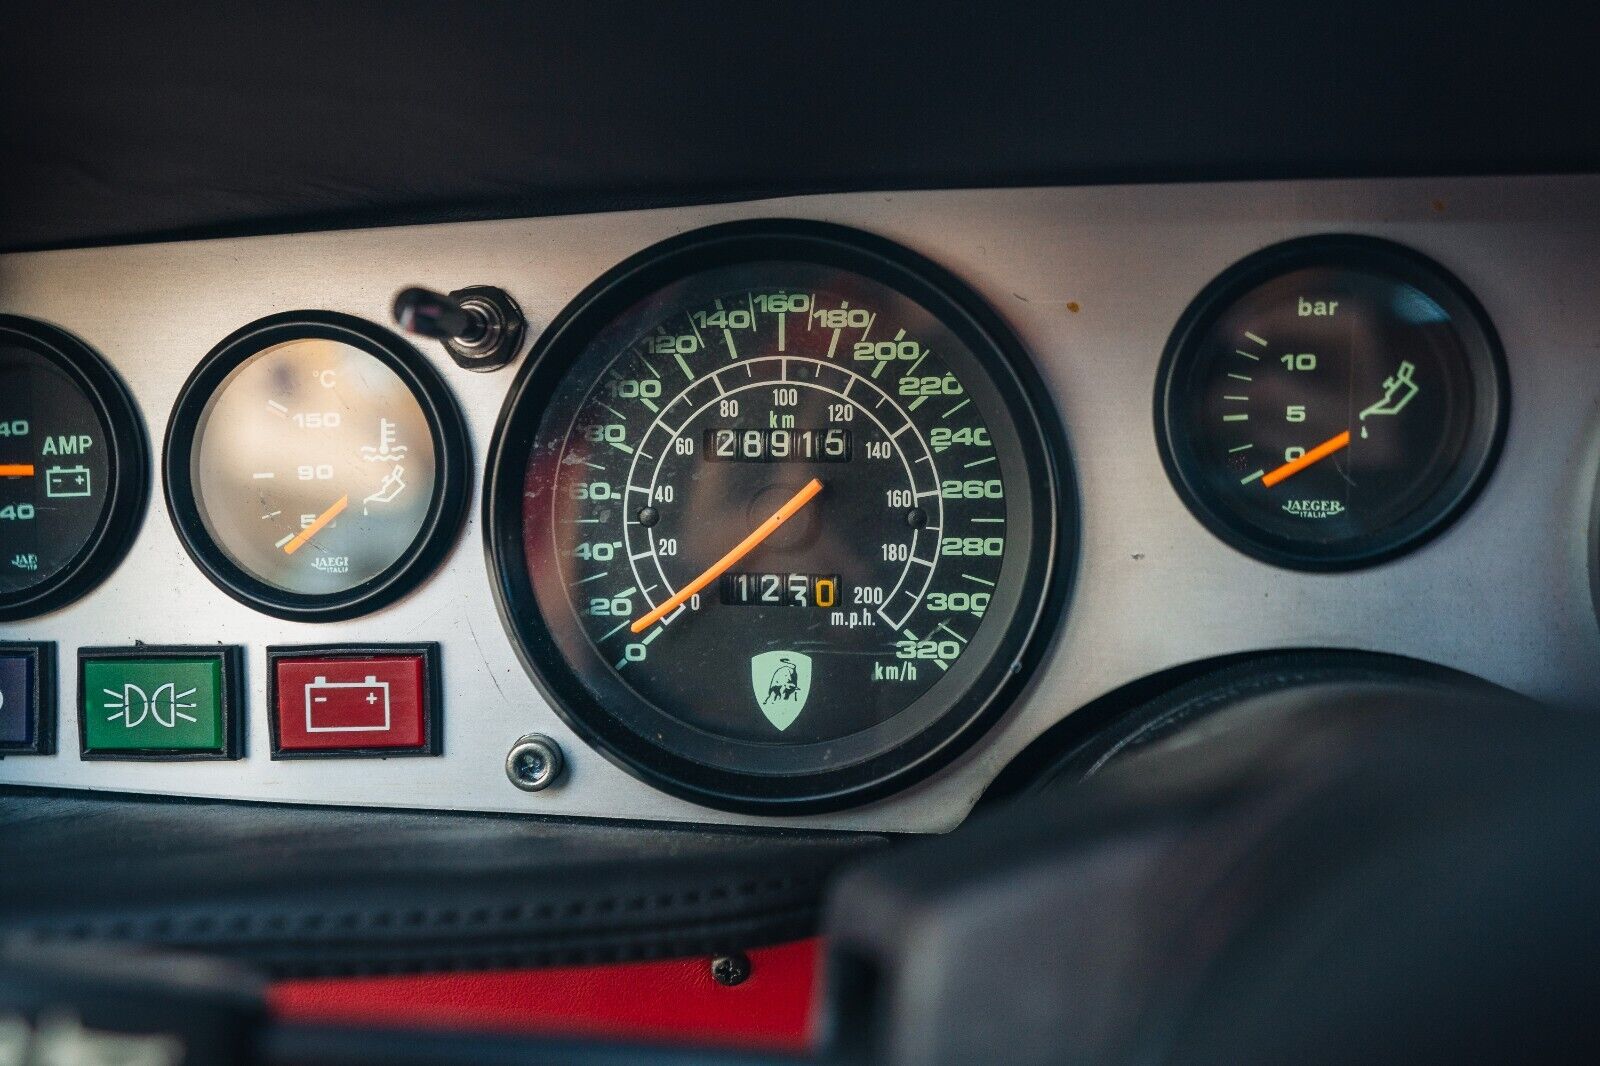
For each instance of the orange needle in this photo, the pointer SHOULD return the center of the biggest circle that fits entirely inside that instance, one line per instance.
(315, 527)
(16, 469)
(745, 547)
(1315, 455)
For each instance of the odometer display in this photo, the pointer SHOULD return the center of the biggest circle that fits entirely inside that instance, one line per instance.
(778, 445)
(780, 515)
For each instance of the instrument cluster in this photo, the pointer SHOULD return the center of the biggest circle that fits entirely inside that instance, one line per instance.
(779, 516)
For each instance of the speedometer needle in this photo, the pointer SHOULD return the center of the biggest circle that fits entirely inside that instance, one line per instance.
(316, 525)
(1315, 455)
(744, 547)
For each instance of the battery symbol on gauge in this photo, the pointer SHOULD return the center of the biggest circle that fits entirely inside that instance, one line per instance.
(67, 483)
(347, 706)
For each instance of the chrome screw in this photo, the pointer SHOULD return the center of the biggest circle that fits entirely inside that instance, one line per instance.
(534, 762)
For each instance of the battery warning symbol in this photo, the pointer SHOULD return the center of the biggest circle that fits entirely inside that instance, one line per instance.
(347, 706)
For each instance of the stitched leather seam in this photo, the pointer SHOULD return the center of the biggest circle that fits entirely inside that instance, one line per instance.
(240, 927)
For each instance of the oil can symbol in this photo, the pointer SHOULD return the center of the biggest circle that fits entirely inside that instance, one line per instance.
(347, 706)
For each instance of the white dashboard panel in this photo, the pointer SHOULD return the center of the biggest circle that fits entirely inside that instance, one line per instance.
(1090, 279)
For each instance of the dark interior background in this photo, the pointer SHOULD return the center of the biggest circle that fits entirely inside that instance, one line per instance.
(138, 121)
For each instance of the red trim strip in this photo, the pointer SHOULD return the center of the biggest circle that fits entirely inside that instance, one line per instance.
(673, 1001)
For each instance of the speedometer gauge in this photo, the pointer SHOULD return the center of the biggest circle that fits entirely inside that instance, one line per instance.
(315, 466)
(1331, 402)
(775, 517)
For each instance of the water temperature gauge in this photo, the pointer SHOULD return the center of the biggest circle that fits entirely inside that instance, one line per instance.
(315, 466)
(1330, 402)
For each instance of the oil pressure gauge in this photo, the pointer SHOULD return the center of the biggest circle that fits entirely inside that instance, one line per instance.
(1330, 402)
(315, 466)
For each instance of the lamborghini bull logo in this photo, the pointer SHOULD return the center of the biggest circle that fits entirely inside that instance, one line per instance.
(781, 681)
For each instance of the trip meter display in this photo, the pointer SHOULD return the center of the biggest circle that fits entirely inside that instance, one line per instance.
(775, 516)
(72, 468)
(315, 466)
(1330, 402)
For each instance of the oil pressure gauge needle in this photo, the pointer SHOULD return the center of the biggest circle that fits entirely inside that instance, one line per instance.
(744, 547)
(1328, 447)
(299, 539)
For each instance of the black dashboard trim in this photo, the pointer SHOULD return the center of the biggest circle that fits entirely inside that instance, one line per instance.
(308, 891)
(523, 113)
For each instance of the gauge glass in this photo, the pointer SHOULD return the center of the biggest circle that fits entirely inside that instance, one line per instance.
(1331, 402)
(54, 474)
(314, 467)
(68, 439)
(781, 518)
(310, 464)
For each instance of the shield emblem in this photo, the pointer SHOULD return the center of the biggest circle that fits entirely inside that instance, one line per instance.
(781, 681)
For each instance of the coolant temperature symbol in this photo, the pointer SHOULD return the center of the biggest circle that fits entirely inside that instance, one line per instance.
(387, 451)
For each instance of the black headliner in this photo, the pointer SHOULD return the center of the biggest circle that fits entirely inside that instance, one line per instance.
(141, 121)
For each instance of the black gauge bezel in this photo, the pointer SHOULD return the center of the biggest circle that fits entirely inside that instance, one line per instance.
(1182, 362)
(1046, 573)
(451, 488)
(129, 463)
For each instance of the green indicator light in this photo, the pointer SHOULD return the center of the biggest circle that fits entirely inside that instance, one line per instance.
(153, 705)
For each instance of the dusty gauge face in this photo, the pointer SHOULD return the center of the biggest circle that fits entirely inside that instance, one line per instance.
(315, 466)
(72, 468)
(1331, 402)
(775, 516)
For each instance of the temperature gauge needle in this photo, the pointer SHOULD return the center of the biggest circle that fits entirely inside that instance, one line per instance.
(298, 540)
(744, 547)
(1315, 455)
